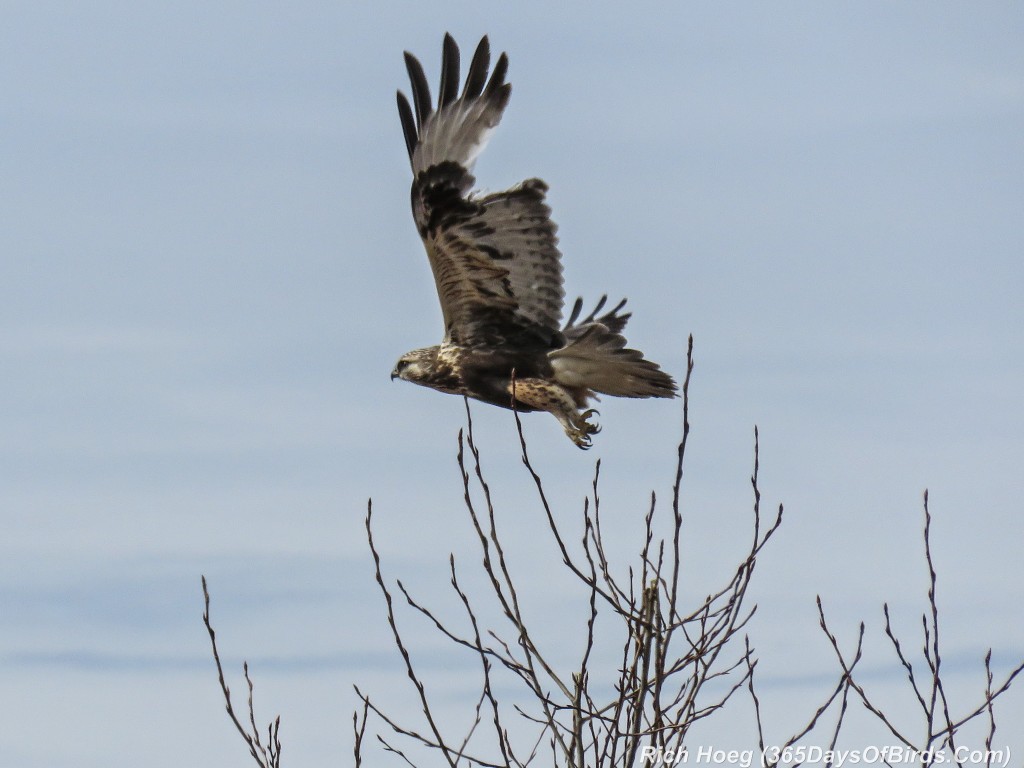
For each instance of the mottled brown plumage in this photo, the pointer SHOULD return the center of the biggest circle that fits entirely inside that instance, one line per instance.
(498, 269)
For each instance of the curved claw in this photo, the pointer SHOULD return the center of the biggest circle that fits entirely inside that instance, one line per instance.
(583, 429)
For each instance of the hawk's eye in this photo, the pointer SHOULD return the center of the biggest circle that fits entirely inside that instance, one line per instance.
(402, 365)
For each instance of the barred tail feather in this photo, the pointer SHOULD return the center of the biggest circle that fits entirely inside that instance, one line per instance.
(598, 360)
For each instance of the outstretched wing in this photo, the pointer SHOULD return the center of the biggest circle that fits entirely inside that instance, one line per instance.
(596, 357)
(495, 257)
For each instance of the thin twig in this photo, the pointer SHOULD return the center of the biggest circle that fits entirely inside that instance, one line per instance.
(269, 755)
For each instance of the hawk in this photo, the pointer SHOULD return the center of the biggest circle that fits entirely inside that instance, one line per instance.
(498, 269)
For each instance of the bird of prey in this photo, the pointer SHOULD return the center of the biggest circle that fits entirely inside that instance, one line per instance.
(498, 269)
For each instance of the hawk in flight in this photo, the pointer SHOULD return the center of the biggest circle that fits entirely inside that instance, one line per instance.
(498, 270)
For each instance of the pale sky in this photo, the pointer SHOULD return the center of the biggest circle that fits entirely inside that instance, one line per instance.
(210, 268)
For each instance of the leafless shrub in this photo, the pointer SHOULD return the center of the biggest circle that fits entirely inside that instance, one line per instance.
(674, 667)
(934, 707)
(675, 664)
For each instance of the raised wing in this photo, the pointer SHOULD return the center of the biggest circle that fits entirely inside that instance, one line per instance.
(495, 257)
(612, 320)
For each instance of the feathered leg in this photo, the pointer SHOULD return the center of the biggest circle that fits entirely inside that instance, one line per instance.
(547, 396)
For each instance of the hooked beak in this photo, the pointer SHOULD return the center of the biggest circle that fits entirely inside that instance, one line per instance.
(394, 374)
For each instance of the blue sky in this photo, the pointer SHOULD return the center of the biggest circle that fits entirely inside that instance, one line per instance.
(210, 269)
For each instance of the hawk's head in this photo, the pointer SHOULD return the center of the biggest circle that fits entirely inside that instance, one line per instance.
(416, 366)
(428, 368)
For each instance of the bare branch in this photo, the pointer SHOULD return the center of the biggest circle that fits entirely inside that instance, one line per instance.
(269, 755)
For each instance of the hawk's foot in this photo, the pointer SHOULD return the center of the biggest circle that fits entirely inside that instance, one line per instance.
(544, 395)
(579, 429)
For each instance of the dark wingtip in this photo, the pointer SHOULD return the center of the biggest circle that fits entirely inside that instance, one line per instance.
(449, 72)
(408, 124)
(576, 309)
(477, 77)
(420, 88)
(498, 75)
